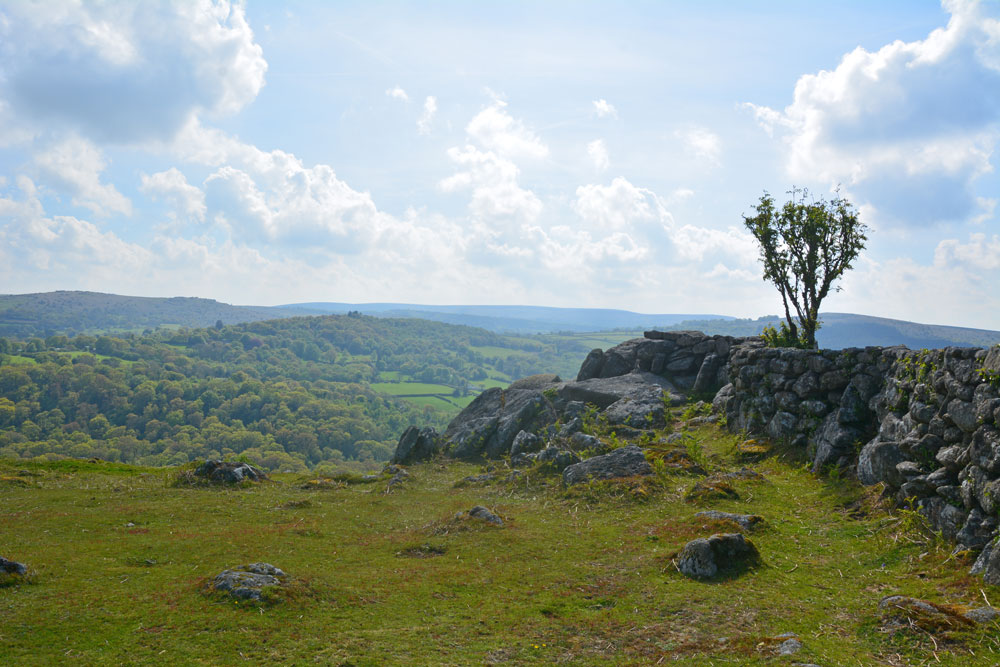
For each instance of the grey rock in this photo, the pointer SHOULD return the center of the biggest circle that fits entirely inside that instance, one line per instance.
(954, 458)
(483, 514)
(417, 444)
(963, 414)
(942, 516)
(615, 364)
(603, 392)
(229, 472)
(591, 367)
(248, 582)
(978, 530)
(525, 442)
(790, 646)
(745, 521)
(782, 425)
(705, 558)
(13, 567)
(623, 462)
(582, 441)
(556, 458)
(908, 469)
(877, 463)
(574, 425)
(981, 615)
(487, 426)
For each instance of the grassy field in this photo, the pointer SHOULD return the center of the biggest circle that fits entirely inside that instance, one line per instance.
(410, 388)
(121, 558)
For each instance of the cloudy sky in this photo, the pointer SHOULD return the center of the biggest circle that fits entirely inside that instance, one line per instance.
(556, 153)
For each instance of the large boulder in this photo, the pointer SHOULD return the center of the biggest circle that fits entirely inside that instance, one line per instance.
(623, 462)
(489, 425)
(417, 444)
(723, 553)
(877, 463)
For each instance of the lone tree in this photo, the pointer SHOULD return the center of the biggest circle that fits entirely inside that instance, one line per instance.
(805, 247)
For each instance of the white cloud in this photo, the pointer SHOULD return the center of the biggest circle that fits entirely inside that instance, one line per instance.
(427, 117)
(701, 144)
(493, 181)
(980, 253)
(126, 72)
(398, 93)
(496, 130)
(604, 110)
(598, 154)
(909, 127)
(619, 205)
(171, 186)
(75, 166)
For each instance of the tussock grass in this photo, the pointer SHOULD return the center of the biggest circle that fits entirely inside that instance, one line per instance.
(579, 576)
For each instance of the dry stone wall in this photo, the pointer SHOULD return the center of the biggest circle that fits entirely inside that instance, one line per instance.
(926, 423)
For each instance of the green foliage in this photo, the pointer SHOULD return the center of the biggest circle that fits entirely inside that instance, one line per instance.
(805, 247)
(783, 337)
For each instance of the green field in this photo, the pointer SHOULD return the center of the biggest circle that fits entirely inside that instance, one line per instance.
(585, 576)
(16, 359)
(410, 388)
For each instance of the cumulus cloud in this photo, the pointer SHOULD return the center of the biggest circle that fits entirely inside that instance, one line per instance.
(186, 200)
(598, 154)
(126, 72)
(619, 205)
(701, 144)
(493, 182)
(909, 127)
(496, 130)
(398, 93)
(75, 166)
(604, 110)
(980, 253)
(427, 117)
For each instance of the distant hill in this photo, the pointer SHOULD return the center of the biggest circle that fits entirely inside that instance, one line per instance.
(514, 319)
(65, 312)
(840, 330)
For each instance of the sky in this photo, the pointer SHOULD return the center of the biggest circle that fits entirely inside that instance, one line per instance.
(577, 154)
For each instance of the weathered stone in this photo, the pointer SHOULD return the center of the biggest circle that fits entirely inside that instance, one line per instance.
(745, 521)
(556, 458)
(488, 425)
(985, 449)
(942, 516)
(615, 364)
(877, 463)
(977, 531)
(525, 442)
(574, 425)
(623, 462)
(591, 367)
(906, 612)
(908, 469)
(249, 582)
(13, 567)
(806, 385)
(229, 472)
(963, 414)
(417, 444)
(482, 514)
(954, 458)
(988, 564)
(782, 425)
(582, 441)
(723, 553)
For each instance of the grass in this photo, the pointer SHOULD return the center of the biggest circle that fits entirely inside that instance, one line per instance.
(120, 558)
(15, 359)
(411, 388)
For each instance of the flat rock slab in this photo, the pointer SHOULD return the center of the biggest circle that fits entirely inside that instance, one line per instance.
(248, 582)
(723, 553)
(745, 521)
(624, 462)
(229, 472)
(901, 611)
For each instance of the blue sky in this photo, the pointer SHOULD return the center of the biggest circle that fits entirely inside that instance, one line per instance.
(553, 153)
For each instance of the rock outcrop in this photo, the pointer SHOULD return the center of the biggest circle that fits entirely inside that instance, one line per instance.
(249, 582)
(229, 472)
(417, 444)
(720, 554)
(624, 462)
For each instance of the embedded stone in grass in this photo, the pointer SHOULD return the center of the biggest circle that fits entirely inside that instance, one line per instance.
(229, 472)
(12, 568)
(743, 473)
(710, 489)
(422, 551)
(249, 582)
(791, 644)
(483, 514)
(722, 553)
(902, 612)
(745, 521)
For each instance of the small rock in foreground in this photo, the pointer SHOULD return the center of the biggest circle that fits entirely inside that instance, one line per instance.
(13, 567)
(745, 521)
(704, 558)
(248, 582)
(483, 514)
